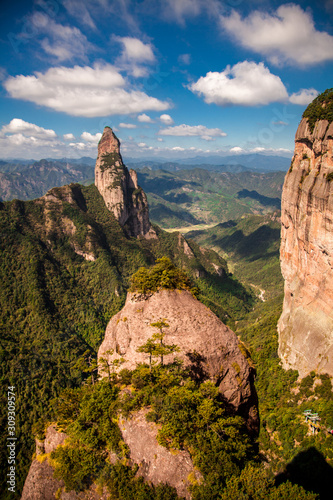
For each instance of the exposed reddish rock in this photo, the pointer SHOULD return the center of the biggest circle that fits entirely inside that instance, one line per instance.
(306, 324)
(157, 464)
(119, 188)
(206, 344)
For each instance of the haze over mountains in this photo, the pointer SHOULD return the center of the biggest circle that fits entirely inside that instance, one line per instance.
(180, 193)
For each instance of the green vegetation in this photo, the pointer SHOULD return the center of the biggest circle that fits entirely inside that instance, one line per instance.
(27, 182)
(109, 160)
(155, 346)
(285, 438)
(191, 415)
(329, 177)
(251, 246)
(321, 108)
(164, 275)
(55, 305)
(187, 197)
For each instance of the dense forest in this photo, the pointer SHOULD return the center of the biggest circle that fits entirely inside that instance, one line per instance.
(55, 306)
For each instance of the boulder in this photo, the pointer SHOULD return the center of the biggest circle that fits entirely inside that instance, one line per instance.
(207, 345)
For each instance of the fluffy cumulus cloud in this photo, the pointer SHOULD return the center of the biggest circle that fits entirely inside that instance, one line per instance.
(21, 139)
(183, 130)
(244, 84)
(145, 118)
(303, 97)
(135, 50)
(93, 138)
(289, 35)
(18, 126)
(82, 91)
(166, 119)
(69, 137)
(135, 56)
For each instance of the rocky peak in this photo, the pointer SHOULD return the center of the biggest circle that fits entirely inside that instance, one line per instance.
(306, 324)
(119, 188)
(208, 347)
(109, 143)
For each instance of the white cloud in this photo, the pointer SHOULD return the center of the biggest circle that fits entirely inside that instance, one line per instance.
(62, 42)
(135, 50)
(18, 126)
(289, 35)
(208, 134)
(94, 138)
(21, 139)
(142, 144)
(236, 149)
(145, 118)
(244, 84)
(166, 119)
(78, 9)
(127, 125)
(184, 59)
(135, 55)
(303, 96)
(178, 148)
(69, 137)
(180, 9)
(160, 139)
(82, 91)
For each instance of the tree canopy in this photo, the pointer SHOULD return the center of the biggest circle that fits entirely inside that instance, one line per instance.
(164, 274)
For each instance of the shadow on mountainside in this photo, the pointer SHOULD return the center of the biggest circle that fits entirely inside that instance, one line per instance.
(253, 246)
(310, 470)
(264, 200)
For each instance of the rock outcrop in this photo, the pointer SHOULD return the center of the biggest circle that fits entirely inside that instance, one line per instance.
(157, 464)
(40, 483)
(209, 347)
(306, 324)
(119, 188)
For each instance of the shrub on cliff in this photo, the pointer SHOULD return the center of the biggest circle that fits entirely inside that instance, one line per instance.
(321, 108)
(164, 274)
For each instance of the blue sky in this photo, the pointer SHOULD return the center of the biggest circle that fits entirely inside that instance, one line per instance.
(173, 78)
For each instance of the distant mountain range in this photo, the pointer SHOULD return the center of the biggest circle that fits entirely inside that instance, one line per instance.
(235, 164)
(29, 179)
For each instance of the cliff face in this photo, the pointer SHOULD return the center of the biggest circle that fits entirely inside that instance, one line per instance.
(40, 483)
(157, 465)
(306, 324)
(208, 346)
(119, 188)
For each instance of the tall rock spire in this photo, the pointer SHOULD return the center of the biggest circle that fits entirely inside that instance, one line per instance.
(306, 324)
(119, 188)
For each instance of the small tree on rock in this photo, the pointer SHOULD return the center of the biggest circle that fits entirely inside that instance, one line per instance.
(110, 366)
(155, 345)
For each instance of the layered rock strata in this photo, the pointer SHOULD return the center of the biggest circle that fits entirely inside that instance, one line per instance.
(207, 346)
(119, 188)
(306, 324)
